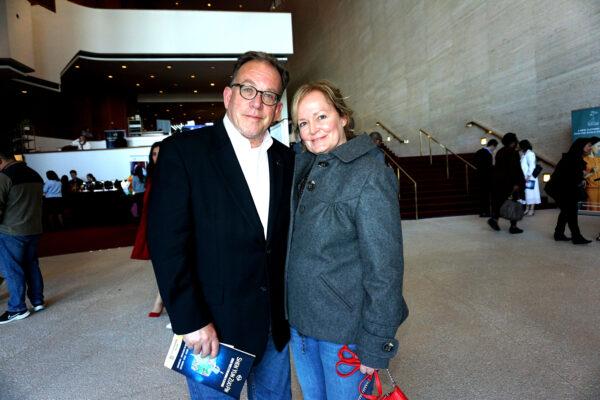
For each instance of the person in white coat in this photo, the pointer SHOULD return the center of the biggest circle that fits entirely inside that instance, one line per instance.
(532, 186)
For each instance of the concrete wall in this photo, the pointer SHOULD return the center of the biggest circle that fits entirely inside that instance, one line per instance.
(514, 65)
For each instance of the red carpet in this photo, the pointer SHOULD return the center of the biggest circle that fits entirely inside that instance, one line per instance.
(86, 239)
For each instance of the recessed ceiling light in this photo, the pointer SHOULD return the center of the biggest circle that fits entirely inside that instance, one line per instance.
(212, 84)
(156, 115)
(24, 91)
(176, 84)
(195, 91)
(184, 114)
(176, 3)
(212, 113)
(160, 91)
(168, 110)
(193, 76)
(181, 105)
(169, 66)
(110, 77)
(212, 67)
(77, 66)
(137, 84)
(208, 5)
(124, 66)
(241, 6)
(152, 77)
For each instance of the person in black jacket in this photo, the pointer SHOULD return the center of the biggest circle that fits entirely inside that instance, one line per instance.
(567, 188)
(484, 161)
(218, 221)
(507, 181)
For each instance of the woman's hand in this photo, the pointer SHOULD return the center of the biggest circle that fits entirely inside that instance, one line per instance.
(366, 370)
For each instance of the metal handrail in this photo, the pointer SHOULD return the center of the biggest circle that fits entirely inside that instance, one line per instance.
(497, 135)
(403, 141)
(400, 169)
(430, 138)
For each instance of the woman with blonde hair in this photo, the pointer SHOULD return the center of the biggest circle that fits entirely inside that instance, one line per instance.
(345, 260)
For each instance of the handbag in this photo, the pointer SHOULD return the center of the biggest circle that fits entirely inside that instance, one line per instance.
(348, 357)
(536, 171)
(395, 394)
(511, 210)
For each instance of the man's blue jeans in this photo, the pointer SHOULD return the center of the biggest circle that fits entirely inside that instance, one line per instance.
(21, 269)
(269, 380)
(315, 361)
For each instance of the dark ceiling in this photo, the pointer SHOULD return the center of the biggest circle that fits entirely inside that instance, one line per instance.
(216, 5)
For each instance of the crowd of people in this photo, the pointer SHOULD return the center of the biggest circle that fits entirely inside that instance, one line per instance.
(511, 174)
(271, 251)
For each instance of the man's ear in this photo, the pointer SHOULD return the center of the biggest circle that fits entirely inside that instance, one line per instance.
(227, 93)
(278, 109)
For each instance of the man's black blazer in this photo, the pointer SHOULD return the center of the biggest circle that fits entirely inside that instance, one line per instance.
(207, 243)
(484, 161)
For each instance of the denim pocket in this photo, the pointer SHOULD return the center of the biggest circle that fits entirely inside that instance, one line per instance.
(335, 293)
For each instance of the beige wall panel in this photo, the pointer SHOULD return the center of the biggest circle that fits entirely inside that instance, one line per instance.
(515, 65)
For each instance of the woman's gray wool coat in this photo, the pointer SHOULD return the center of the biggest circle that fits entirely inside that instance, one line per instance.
(345, 262)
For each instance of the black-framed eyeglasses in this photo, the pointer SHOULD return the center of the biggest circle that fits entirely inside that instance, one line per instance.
(249, 92)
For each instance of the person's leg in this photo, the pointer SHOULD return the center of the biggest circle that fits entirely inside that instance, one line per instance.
(270, 379)
(157, 308)
(309, 369)
(12, 250)
(199, 391)
(561, 223)
(338, 387)
(33, 275)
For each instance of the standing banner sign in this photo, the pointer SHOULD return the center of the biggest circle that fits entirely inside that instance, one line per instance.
(585, 123)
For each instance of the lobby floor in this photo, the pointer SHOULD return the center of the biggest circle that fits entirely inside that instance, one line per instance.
(493, 316)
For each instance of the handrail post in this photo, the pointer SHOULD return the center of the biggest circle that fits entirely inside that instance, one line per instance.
(416, 203)
(467, 176)
(430, 154)
(420, 144)
(447, 166)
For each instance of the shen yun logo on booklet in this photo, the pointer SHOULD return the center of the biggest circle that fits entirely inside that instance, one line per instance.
(227, 372)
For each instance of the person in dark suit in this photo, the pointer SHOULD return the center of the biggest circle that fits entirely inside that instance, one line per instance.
(484, 161)
(217, 230)
(507, 180)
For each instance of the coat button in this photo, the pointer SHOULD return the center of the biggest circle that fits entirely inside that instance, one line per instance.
(268, 250)
(301, 209)
(310, 186)
(323, 164)
(388, 347)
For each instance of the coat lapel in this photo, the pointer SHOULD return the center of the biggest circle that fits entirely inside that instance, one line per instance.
(276, 185)
(228, 167)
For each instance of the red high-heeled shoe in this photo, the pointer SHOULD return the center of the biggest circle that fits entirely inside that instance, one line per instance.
(153, 314)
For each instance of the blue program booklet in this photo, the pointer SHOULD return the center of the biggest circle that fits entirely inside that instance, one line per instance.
(227, 372)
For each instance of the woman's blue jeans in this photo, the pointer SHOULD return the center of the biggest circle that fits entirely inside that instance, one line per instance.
(315, 361)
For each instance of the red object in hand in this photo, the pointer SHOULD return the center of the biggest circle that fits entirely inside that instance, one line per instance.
(348, 357)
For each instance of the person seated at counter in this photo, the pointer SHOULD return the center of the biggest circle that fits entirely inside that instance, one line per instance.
(82, 142)
(75, 182)
(90, 183)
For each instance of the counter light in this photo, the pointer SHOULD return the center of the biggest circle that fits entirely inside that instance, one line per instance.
(483, 141)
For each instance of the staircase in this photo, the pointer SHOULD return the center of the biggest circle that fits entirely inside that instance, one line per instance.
(437, 196)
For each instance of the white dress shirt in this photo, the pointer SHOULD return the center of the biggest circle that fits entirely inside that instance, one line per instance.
(255, 166)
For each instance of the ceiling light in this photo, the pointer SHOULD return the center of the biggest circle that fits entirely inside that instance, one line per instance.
(169, 66)
(241, 6)
(212, 113)
(212, 67)
(24, 91)
(483, 141)
(193, 76)
(176, 3)
(110, 77)
(212, 84)
(184, 114)
(77, 66)
(176, 84)
(181, 105)
(152, 77)
(195, 91)
(208, 5)
(137, 84)
(124, 66)
(168, 110)
(160, 91)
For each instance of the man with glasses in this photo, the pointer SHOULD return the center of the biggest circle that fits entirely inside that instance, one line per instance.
(217, 230)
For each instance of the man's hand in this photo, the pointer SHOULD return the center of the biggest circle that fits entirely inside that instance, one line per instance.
(203, 341)
(366, 370)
